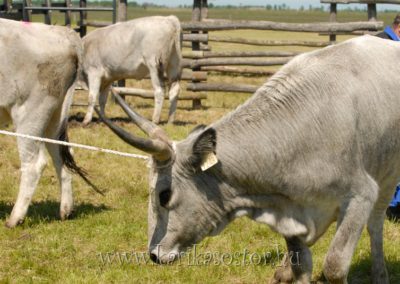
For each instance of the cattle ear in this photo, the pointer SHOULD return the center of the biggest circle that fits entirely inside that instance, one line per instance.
(204, 149)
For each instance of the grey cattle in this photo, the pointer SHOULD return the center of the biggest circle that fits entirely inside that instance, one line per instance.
(38, 68)
(318, 142)
(134, 49)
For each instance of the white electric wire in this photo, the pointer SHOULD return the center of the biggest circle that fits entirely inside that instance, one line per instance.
(75, 145)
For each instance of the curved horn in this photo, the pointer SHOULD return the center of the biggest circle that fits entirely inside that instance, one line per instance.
(145, 125)
(156, 147)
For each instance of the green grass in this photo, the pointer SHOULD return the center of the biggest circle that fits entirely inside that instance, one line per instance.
(44, 249)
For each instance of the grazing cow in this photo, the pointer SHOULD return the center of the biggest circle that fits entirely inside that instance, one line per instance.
(38, 68)
(134, 49)
(318, 142)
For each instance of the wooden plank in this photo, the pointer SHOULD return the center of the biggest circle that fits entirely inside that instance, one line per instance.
(212, 54)
(220, 87)
(237, 70)
(261, 42)
(148, 94)
(235, 61)
(195, 37)
(202, 46)
(275, 26)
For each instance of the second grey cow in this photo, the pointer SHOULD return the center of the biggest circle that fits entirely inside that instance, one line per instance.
(319, 142)
(134, 49)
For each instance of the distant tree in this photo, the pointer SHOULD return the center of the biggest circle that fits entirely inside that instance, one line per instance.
(301, 8)
(268, 7)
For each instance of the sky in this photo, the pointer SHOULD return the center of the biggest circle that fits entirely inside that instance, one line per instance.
(291, 3)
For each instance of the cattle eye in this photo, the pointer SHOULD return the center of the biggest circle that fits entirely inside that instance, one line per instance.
(165, 196)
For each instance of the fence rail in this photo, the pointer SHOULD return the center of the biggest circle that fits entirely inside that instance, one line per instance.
(275, 26)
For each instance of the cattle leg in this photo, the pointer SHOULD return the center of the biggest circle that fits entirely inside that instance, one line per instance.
(94, 89)
(65, 180)
(297, 267)
(375, 229)
(103, 98)
(157, 81)
(173, 100)
(353, 217)
(33, 160)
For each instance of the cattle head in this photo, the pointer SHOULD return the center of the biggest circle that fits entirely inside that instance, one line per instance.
(185, 200)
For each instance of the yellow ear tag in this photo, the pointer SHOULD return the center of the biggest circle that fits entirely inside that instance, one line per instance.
(209, 160)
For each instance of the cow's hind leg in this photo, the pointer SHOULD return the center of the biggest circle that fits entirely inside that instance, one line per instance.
(297, 266)
(375, 229)
(354, 214)
(174, 75)
(157, 81)
(64, 176)
(94, 89)
(173, 100)
(33, 160)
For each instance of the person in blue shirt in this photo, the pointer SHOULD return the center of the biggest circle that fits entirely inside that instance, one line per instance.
(393, 33)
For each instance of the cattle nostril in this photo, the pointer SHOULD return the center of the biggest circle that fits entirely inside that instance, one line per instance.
(154, 258)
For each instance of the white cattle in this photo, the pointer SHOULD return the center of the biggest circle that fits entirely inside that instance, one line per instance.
(134, 49)
(38, 68)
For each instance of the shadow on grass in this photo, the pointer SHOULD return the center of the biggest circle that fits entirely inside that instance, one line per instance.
(361, 271)
(48, 211)
(77, 119)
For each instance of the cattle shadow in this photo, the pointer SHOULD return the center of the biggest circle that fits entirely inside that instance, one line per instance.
(77, 119)
(360, 272)
(48, 211)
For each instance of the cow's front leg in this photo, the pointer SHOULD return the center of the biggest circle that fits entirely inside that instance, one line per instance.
(354, 214)
(297, 265)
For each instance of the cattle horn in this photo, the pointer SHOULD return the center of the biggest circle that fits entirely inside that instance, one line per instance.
(158, 145)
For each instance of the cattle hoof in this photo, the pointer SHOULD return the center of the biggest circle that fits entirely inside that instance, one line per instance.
(282, 275)
(85, 123)
(65, 215)
(12, 224)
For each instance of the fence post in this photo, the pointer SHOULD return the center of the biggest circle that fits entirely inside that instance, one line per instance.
(83, 19)
(122, 10)
(47, 13)
(26, 14)
(68, 3)
(196, 17)
(372, 15)
(332, 18)
(121, 17)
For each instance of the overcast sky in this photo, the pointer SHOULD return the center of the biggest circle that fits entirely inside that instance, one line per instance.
(291, 3)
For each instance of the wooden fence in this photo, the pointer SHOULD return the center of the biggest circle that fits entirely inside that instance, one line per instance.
(197, 37)
(203, 58)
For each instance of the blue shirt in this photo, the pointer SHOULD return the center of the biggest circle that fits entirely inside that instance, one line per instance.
(388, 30)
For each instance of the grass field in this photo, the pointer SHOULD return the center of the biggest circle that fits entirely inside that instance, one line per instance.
(104, 241)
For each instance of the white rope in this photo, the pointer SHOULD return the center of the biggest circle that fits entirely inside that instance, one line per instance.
(76, 145)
